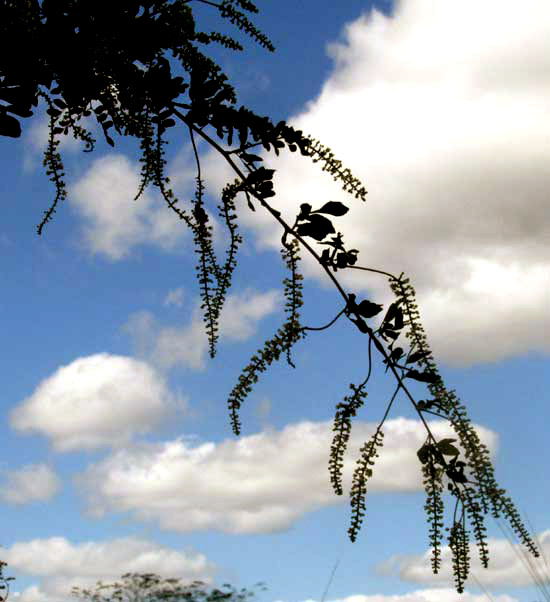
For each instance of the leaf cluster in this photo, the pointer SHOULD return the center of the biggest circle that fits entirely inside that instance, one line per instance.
(4, 582)
(141, 587)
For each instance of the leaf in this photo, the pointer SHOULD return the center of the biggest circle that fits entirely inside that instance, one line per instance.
(250, 158)
(417, 355)
(333, 208)
(305, 210)
(368, 309)
(457, 477)
(424, 377)
(423, 454)
(259, 175)
(21, 111)
(9, 126)
(362, 325)
(390, 333)
(399, 319)
(392, 309)
(318, 227)
(396, 353)
(446, 448)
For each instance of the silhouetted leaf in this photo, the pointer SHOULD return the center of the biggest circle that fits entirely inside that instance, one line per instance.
(368, 309)
(392, 310)
(425, 377)
(398, 318)
(341, 260)
(325, 256)
(305, 210)
(396, 353)
(391, 333)
(446, 448)
(19, 110)
(317, 227)
(333, 208)
(457, 476)
(417, 355)
(250, 158)
(9, 126)
(423, 454)
(362, 326)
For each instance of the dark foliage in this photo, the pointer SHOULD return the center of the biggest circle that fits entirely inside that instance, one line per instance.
(113, 61)
(148, 587)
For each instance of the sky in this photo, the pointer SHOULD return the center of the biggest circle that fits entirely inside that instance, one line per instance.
(118, 454)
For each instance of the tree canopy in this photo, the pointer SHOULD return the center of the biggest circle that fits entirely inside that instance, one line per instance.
(136, 67)
(148, 587)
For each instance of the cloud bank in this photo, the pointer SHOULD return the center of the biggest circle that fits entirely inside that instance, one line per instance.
(61, 564)
(262, 483)
(451, 139)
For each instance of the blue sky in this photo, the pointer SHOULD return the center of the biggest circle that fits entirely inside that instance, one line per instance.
(118, 450)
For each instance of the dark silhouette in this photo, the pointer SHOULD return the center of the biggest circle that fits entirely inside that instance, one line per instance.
(108, 60)
(148, 587)
(4, 583)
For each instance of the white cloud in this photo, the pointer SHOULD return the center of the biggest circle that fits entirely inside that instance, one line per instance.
(174, 297)
(36, 133)
(451, 139)
(34, 482)
(188, 345)
(96, 401)
(62, 565)
(425, 595)
(258, 484)
(506, 564)
(114, 222)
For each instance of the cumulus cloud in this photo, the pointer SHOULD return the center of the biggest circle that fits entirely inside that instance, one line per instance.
(426, 595)
(34, 482)
(506, 564)
(62, 564)
(188, 345)
(451, 141)
(113, 223)
(36, 135)
(262, 483)
(96, 401)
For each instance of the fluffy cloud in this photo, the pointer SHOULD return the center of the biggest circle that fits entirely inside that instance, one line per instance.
(36, 133)
(96, 401)
(451, 141)
(259, 484)
(62, 565)
(114, 223)
(34, 482)
(426, 595)
(188, 345)
(506, 564)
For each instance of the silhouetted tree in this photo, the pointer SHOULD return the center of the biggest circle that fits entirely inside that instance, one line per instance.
(148, 587)
(4, 583)
(109, 60)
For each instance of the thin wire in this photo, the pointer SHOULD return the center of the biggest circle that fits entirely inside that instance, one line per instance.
(330, 580)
